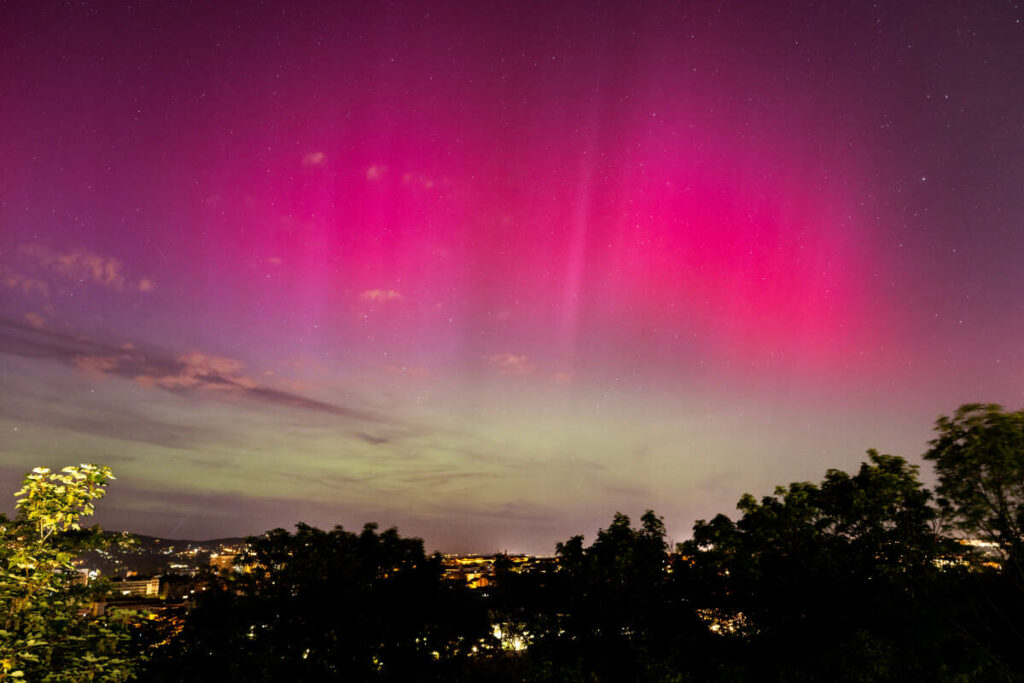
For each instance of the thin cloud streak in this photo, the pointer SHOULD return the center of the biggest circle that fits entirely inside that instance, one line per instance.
(113, 424)
(186, 373)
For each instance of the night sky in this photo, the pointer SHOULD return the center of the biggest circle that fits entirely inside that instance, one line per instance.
(491, 272)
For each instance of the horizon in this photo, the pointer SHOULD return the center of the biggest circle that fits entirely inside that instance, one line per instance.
(588, 534)
(488, 274)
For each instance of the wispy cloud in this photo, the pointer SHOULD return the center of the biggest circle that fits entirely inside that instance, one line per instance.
(84, 266)
(12, 279)
(371, 439)
(314, 159)
(118, 423)
(509, 364)
(418, 180)
(96, 364)
(381, 295)
(193, 372)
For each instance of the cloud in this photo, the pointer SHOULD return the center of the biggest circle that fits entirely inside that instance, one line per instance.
(314, 159)
(110, 422)
(96, 364)
(20, 339)
(78, 264)
(193, 372)
(84, 266)
(35, 320)
(375, 173)
(380, 295)
(371, 438)
(509, 364)
(444, 477)
(27, 285)
(198, 370)
(418, 179)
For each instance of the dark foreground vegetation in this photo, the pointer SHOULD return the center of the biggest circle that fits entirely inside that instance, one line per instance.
(857, 578)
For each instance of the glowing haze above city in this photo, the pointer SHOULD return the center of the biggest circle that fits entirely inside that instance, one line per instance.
(491, 272)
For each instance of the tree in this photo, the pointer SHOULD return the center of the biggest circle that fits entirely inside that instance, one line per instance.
(979, 458)
(616, 580)
(328, 605)
(43, 633)
(622, 620)
(835, 581)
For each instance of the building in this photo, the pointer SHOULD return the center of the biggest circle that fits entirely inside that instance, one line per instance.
(223, 562)
(136, 587)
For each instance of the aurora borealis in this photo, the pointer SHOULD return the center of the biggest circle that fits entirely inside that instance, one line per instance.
(492, 271)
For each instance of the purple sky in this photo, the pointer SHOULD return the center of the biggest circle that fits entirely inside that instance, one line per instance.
(491, 272)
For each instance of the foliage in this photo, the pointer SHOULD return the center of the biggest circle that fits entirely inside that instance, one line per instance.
(328, 605)
(615, 584)
(621, 618)
(836, 581)
(44, 634)
(979, 458)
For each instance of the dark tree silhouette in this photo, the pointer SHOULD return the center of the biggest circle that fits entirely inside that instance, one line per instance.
(318, 605)
(620, 620)
(837, 581)
(979, 458)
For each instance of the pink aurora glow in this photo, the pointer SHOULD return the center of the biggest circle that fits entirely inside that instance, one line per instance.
(474, 262)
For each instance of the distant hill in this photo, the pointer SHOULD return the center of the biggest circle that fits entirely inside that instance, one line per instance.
(155, 555)
(159, 542)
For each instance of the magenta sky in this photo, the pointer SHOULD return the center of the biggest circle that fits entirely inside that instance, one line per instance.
(492, 272)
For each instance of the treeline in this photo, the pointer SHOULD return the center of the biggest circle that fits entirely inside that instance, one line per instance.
(856, 578)
(860, 577)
